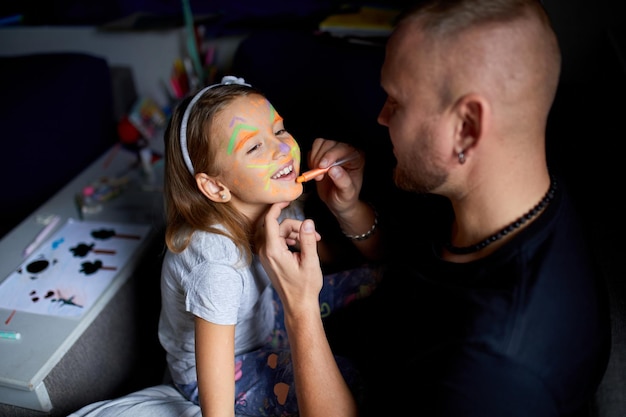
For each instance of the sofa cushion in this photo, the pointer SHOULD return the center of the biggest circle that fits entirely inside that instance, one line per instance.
(56, 115)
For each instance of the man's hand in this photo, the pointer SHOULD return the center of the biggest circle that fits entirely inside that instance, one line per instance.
(296, 276)
(340, 187)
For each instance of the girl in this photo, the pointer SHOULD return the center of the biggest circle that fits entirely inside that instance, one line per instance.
(228, 158)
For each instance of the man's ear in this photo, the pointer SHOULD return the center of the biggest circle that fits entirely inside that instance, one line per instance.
(471, 121)
(212, 188)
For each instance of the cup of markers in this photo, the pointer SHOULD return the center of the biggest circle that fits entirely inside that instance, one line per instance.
(92, 196)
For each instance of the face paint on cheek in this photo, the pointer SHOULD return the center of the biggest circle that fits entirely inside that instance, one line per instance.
(293, 149)
(295, 152)
(266, 172)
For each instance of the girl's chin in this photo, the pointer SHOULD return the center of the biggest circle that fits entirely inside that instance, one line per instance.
(293, 193)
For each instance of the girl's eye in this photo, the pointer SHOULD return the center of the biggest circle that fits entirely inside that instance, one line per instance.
(281, 132)
(254, 148)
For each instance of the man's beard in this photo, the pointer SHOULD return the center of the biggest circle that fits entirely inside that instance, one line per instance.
(419, 176)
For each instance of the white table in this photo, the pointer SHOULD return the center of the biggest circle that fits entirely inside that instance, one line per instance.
(25, 364)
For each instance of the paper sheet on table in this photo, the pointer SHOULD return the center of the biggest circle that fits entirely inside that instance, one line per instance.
(71, 269)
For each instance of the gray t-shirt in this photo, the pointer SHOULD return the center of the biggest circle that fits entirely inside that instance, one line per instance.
(211, 280)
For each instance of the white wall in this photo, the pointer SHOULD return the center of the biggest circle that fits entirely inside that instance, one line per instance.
(149, 54)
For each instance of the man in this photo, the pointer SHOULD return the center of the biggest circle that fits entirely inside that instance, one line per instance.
(499, 311)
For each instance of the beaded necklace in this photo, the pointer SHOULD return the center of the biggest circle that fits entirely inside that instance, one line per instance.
(508, 229)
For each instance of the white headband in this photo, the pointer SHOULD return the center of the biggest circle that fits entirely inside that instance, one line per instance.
(226, 80)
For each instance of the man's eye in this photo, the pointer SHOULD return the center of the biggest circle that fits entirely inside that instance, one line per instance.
(392, 105)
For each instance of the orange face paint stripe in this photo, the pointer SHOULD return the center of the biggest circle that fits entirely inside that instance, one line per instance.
(233, 136)
(245, 139)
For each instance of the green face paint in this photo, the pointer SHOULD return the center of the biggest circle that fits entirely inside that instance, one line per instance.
(233, 136)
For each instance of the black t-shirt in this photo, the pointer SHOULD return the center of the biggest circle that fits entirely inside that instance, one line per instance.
(522, 332)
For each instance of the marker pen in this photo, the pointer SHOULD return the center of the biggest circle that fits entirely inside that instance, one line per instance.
(11, 335)
(309, 175)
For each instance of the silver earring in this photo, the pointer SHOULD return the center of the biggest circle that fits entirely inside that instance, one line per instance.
(223, 196)
(461, 158)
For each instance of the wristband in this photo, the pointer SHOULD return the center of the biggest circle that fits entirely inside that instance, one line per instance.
(365, 235)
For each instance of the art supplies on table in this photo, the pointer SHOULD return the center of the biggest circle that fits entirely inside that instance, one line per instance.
(66, 274)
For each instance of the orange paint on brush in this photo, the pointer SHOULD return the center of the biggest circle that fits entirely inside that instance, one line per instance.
(309, 175)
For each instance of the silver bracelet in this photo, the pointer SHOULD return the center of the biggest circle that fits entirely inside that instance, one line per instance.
(365, 235)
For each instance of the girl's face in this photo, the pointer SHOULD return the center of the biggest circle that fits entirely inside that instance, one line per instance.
(260, 159)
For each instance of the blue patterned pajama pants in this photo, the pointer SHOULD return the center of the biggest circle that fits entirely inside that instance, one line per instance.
(264, 381)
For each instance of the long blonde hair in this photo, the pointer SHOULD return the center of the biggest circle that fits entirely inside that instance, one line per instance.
(186, 208)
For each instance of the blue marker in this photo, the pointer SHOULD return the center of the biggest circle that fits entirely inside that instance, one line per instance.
(8, 334)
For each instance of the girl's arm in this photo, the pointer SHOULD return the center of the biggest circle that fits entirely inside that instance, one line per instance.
(215, 366)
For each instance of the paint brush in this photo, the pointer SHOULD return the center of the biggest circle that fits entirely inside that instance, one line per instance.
(309, 175)
(50, 223)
